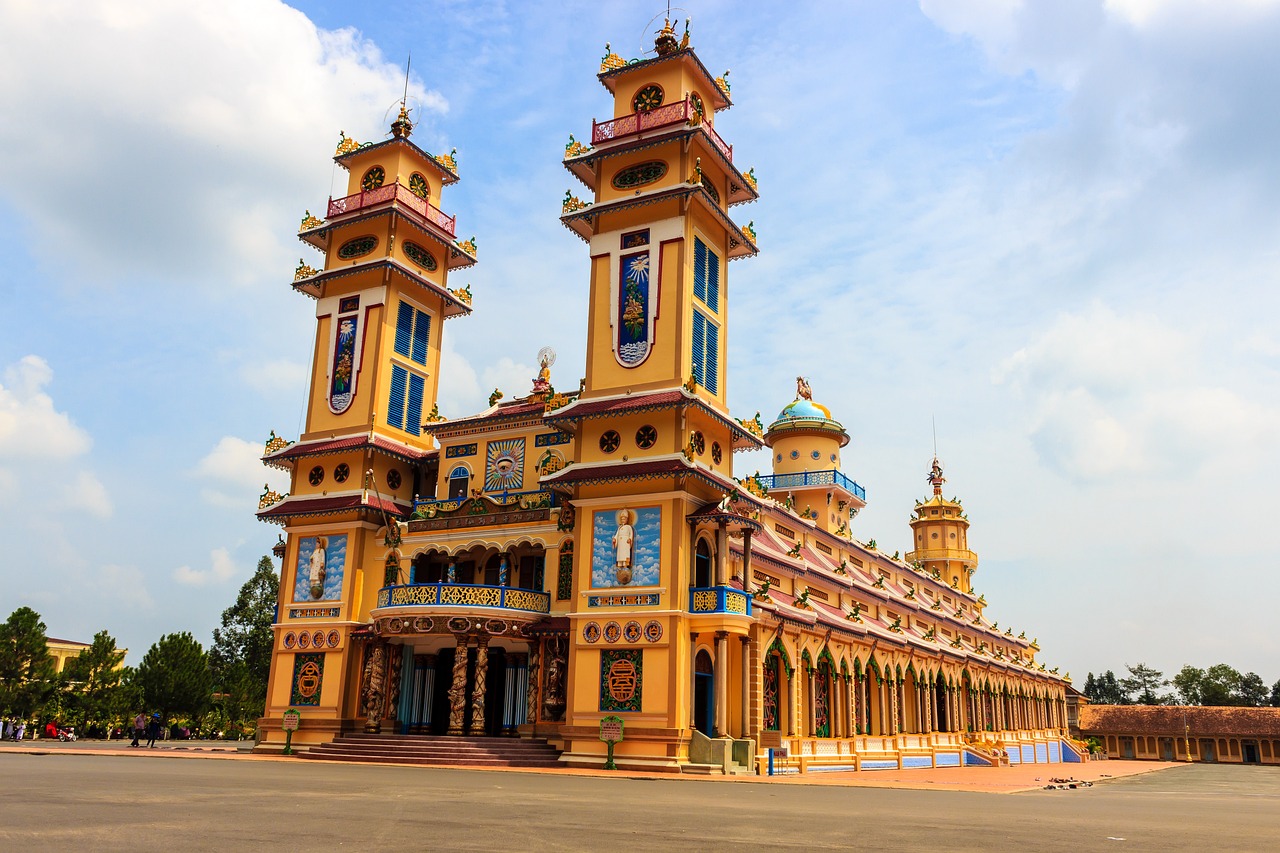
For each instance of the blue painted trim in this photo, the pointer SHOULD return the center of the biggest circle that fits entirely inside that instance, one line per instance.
(723, 594)
(813, 478)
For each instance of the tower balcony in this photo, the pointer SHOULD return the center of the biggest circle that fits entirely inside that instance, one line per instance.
(431, 599)
(668, 115)
(719, 599)
(803, 479)
(398, 194)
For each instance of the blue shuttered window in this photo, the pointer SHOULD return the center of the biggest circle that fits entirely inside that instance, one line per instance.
(706, 352)
(404, 400)
(413, 331)
(395, 402)
(706, 275)
(413, 410)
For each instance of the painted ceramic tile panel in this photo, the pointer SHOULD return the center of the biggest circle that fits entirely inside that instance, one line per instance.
(626, 547)
(321, 561)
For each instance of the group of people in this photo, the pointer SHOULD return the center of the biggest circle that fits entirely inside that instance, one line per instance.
(151, 728)
(14, 729)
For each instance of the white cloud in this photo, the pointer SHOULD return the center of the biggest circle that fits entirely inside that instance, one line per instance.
(29, 424)
(280, 376)
(234, 473)
(87, 493)
(221, 569)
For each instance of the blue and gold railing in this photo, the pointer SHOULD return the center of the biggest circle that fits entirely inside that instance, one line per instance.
(719, 599)
(465, 595)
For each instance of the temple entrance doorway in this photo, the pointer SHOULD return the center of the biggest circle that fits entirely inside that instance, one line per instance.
(494, 693)
(941, 723)
(1249, 749)
(703, 693)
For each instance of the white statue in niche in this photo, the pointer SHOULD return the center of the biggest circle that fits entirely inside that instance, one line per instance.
(318, 567)
(624, 546)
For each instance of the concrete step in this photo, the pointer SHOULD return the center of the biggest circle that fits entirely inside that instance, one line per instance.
(437, 750)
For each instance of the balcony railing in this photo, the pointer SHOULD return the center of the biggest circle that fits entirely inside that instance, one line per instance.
(465, 595)
(400, 194)
(719, 599)
(680, 112)
(535, 499)
(812, 478)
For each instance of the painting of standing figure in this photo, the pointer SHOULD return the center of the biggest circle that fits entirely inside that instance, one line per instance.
(321, 563)
(626, 546)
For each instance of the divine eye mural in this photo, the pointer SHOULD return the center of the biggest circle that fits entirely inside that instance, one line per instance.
(504, 465)
(626, 547)
(342, 382)
(634, 323)
(321, 561)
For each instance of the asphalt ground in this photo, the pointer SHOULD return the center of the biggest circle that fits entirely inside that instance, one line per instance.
(86, 801)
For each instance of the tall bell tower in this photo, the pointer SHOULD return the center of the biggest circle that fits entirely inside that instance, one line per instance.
(941, 531)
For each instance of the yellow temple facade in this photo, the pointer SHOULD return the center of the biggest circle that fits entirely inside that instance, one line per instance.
(585, 554)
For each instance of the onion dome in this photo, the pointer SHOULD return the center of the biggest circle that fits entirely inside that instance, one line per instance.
(804, 415)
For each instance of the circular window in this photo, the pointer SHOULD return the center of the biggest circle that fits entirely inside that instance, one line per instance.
(795, 454)
(833, 457)
(648, 98)
(779, 457)
(646, 437)
(816, 455)
(373, 178)
(341, 473)
(393, 479)
(418, 185)
(358, 246)
(420, 256)
(638, 175)
(698, 443)
(716, 453)
(316, 477)
(610, 441)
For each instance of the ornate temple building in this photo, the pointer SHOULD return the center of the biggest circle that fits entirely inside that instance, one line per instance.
(583, 553)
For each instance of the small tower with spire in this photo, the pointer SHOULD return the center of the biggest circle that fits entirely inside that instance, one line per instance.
(941, 534)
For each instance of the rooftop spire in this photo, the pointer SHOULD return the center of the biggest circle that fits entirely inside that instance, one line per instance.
(935, 476)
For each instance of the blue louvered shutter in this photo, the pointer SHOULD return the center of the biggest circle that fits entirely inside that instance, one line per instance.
(712, 359)
(404, 329)
(395, 402)
(413, 411)
(699, 345)
(421, 334)
(713, 282)
(699, 269)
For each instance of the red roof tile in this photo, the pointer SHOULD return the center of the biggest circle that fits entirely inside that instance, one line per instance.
(582, 409)
(324, 446)
(1172, 719)
(323, 505)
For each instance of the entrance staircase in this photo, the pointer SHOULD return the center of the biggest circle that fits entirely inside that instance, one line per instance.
(437, 751)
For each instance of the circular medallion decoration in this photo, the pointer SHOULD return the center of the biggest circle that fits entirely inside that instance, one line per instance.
(304, 640)
(373, 178)
(631, 632)
(646, 437)
(698, 442)
(317, 639)
(653, 630)
(622, 681)
(816, 455)
(423, 624)
(699, 109)
(290, 640)
(420, 256)
(631, 177)
(610, 441)
(316, 477)
(795, 454)
(341, 473)
(357, 247)
(393, 479)
(716, 453)
(591, 632)
(309, 680)
(612, 632)
(395, 625)
(418, 185)
(648, 98)
(459, 625)
(334, 639)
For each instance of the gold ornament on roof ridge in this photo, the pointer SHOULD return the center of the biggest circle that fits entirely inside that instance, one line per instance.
(610, 60)
(463, 294)
(665, 44)
(274, 443)
(750, 230)
(572, 203)
(722, 83)
(752, 425)
(269, 497)
(346, 144)
(448, 161)
(304, 270)
(575, 148)
(684, 41)
(750, 178)
(753, 485)
(434, 417)
(309, 222)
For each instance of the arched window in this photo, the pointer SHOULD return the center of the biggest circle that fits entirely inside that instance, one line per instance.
(459, 481)
(702, 564)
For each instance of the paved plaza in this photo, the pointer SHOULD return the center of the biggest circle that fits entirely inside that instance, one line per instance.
(85, 799)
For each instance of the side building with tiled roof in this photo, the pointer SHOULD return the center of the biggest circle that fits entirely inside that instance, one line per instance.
(1226, 735)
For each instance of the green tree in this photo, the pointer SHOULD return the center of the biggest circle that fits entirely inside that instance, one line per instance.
(27, 678)
(1144, 683)
(1252, 691)
(1106, 689)
(92, 681)
(174, 676)
(241, 653)
(1217, 685)
(1188, 683)
(1274, 701)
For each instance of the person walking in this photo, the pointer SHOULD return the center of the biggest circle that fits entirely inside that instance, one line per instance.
(153, 730)
(20, 730)
(139, 724)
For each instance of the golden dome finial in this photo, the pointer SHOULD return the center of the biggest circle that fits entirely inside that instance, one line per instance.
(402, 126)
(935, 477)
(666, 43)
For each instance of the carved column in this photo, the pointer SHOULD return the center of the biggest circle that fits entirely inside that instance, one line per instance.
(478, 689)
(535, 670)
(748, 584)
(894, 724)
(395, 660)
(721, 725)
(373, 686)
(722, 554)
(811, 725)
(693, 680)
(458, 688)
(747, 671)
(793, 698)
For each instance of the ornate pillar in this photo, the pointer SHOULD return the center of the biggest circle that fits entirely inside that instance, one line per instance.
(721, 725)
(478, 689)
(533, 693)
(458, 687)
(747, 671)
(747, 583)
(793, 698)
(451, 574)
(811, 724)
(722, 554)
(894, 721)
(851, 712)
(504, 569)
(373, 686)
(693, 680)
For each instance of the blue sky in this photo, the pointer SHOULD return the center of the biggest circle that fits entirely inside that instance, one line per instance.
(1049, 226)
